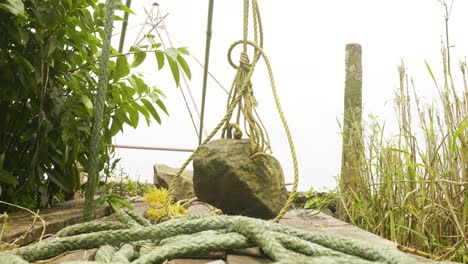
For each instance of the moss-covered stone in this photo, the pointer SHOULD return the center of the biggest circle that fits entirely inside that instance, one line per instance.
(163, 176)
(227, 176)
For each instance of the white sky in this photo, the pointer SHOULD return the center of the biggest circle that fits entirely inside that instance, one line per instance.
(305, 41)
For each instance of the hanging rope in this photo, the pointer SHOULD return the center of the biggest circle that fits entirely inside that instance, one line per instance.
(241, 97)
(95, 141)
(135, 240)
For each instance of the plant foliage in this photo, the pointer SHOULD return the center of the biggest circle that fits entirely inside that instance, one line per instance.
(48, 74)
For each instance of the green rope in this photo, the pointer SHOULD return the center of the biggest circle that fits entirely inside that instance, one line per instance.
(125, 217)
(195, 235)
(241, 97)
(125, 254)
(95, 141)
(90, 227)
(105, 253)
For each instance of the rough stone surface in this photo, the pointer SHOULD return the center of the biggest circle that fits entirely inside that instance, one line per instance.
(200, 208)
(163, 176)
(227, 177)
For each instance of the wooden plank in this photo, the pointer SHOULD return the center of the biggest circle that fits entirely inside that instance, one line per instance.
(64, 215)
(252, 252)
(319, 222)
(77, 255)
(196, 261)
(239, 259)
(56, 218)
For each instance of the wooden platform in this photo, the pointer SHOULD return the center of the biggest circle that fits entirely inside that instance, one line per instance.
(57, 218)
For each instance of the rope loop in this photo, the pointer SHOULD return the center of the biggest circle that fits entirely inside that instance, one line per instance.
(241, 99)
(237, 131)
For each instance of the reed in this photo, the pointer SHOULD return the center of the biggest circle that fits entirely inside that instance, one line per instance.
(415, 183)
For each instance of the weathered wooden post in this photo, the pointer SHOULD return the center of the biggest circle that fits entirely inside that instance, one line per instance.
(353, 147)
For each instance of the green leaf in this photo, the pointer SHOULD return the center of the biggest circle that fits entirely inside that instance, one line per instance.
(138, 58)
(457, 133)
(183, 50)
(151, 109)
(126, 9)
(128, 92)
(116, 125)
(159, 58)
(116, 201)
(155, 96)
(121, 114)
(310, 204)
(397, 150)
(121, 68)
(172, 53)
(51, 46)
(105, 188)
(16, 7)
(175, 70)
(156, 45)
(60, 180)
(2, 159)
(100, 201)
(88, 104)
(162, 106)
(133, 116)
(143, 110)
(21, 60)
(183, 64)
(431, 73)
(141, 86)
(7, 177)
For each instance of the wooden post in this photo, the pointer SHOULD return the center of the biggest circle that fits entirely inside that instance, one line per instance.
(353, 147)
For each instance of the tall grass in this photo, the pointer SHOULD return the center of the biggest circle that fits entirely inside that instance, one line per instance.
(415, 184)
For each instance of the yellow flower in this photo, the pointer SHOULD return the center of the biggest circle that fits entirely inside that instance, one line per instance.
(156, 215)
(177, 210)
(155, 196)
(156, 212)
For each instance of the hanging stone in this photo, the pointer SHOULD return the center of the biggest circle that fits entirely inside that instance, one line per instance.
(227, 177)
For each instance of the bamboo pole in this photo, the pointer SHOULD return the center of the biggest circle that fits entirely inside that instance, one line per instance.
(353, 147)
(205, 73)
(124, 27)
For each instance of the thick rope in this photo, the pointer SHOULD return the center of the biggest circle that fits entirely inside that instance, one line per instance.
(195, 235)
(241, 96)
(95, 141)
(105, 254)
(90, 227)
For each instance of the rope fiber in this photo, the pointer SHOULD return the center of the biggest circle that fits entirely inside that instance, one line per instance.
(200, 234)
(99, 104)
(135, 240)
(241, 97)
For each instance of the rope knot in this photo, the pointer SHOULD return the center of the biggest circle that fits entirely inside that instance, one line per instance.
(244, 61)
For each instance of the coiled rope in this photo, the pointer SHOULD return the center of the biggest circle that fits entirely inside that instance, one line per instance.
(241, 97)
(128, 241)
(199, 234)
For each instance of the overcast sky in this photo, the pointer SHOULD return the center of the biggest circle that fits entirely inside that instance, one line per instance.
(305, 41)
